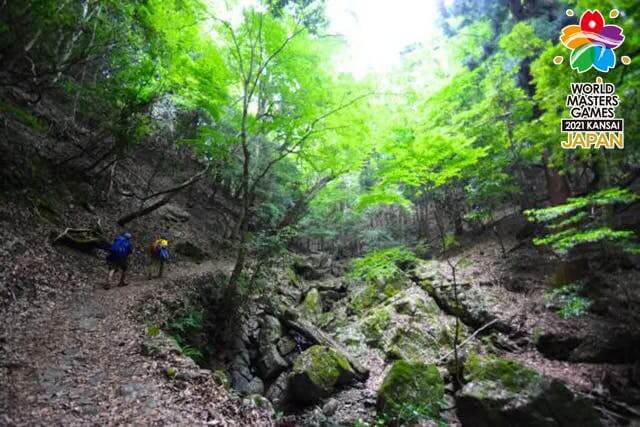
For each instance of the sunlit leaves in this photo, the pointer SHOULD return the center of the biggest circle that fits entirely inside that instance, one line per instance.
(583, 220)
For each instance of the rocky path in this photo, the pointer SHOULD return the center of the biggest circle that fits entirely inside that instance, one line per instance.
(79, 362)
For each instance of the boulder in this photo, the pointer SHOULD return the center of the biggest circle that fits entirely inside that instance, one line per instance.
(271, 363)
(306, 270)
(286, 345)
(375, 324)
(330, 407)
(505, 393)
(312, 306)
(409, 326)
(601, 343)
(255, 386)
(316, 373)
(410, 384)
(175, 213)
(277, 392)
(476, 307)
(191, 251)
(270, 332)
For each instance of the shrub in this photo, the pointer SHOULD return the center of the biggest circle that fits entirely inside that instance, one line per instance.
(384, 264)
(567, 301)
(186, 329)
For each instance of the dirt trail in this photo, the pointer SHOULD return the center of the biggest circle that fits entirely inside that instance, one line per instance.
(79, 362)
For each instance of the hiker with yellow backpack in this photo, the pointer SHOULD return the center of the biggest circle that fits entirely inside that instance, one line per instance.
(159, 254)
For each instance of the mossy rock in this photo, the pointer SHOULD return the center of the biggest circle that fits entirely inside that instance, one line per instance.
(410, 343)
(512, 375)
(410, 384)
(326, 321)
(293, 277)
(505, 393)
(312, 306)
(316, 373)
(375, 324)
(365, 298)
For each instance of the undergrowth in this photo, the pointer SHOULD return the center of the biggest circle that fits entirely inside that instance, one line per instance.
(24, 117)
(383, 264)
(186, 330)
(408, 414)
(568, 302)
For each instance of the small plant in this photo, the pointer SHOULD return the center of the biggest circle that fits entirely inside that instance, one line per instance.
(171, 372)
(567, 301)
(153, 330)
(185, 330)
(407, 414)
(384, 264)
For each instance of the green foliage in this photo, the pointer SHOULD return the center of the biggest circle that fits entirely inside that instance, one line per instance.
(171, 372)
(585, 220)
(607, 197)
(568, 301)
(186, 329)
(410, 414)
(153, 330)
(382, 265)
(23, 116)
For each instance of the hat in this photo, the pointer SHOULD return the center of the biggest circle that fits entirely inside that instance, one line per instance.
(127, 235)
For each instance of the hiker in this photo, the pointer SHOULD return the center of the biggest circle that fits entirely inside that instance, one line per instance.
(118, 256)
(158, 254)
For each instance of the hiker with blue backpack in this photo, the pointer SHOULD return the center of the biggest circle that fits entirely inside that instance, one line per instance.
(118, 257)
(159, 254)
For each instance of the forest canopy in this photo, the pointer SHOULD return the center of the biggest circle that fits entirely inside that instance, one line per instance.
(465, 125)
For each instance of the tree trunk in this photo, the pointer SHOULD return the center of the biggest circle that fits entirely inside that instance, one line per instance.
(557, 185)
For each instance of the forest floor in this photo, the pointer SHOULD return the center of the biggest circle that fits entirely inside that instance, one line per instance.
(79, 360)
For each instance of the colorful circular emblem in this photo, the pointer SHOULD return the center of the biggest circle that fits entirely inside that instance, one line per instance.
(592, 42)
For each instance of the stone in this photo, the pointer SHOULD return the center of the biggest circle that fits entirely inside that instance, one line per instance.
(603, 343)
(476, 307)
(316, 374)
(175, 213)
(503, 392)
(312, 306)
(329, 298)
(409, 383)
(375, 324)
(255, 386)
(271, 363)
(246, 386)
(277, 392)
(286, 345)
(260, 402)
(306, 270)
(270, 332)
(330, 407)
(189, 250)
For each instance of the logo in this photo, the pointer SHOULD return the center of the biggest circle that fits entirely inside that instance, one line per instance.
(592, 121)
(592, 43)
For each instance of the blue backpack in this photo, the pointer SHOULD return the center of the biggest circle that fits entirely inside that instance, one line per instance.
(163, 253)
(121, 247)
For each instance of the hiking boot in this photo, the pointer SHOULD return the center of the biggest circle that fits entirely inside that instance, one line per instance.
(121, 284)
